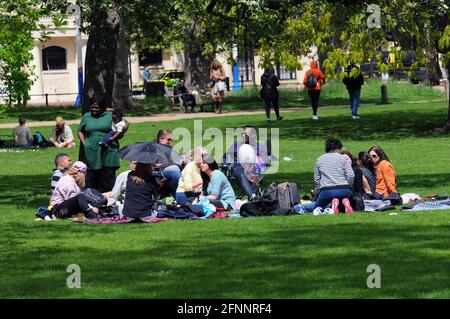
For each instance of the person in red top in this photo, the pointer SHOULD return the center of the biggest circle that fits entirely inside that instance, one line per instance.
(385, 174)
(314, 91)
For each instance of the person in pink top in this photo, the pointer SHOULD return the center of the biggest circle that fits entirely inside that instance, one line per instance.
(67, 199)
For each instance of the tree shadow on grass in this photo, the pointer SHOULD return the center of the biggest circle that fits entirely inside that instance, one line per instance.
(396, 125)
(24, 191)
(232, 259)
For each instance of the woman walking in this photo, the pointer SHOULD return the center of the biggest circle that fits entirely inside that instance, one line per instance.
(217, 74)
(269, 92)
(314, 80)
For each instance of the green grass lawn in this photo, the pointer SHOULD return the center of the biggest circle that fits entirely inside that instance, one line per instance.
(273, 257)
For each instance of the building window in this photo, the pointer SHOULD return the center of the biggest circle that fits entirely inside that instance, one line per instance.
(54, 58)
(147, 57)
(284, 74)
(246, 63)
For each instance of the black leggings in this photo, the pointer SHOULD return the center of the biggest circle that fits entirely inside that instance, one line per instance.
(314, 95)
(274, 102)
(72, 206)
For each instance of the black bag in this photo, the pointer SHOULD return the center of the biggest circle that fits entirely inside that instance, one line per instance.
(263, 207)
(94, 197)
(395, 199)
(357, 202)
(195, 209)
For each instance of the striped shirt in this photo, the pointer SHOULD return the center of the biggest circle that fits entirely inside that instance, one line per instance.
(332, 170)
(57, 174)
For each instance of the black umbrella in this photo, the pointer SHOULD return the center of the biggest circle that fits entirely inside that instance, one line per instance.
(145, 153)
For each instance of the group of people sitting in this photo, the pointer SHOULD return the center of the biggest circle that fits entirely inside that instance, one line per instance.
(192, 178)
(85, 186)
(339, 177)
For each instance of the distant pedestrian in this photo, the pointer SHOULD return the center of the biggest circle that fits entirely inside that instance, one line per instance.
(314, 80)
(353, 82)
(217, 74)
(269, 92)
(147, 74)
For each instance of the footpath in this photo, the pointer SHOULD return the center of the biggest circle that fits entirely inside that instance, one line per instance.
(197, 115)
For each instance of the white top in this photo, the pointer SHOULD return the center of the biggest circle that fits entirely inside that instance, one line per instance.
(119, 187)
(119, 126)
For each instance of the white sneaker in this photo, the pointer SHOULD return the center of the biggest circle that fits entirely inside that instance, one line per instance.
(355, 117)
(328, 211)
(315, 117)
(317, 211)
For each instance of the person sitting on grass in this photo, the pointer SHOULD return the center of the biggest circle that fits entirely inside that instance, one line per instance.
(230, 160)
(62, 164)
(61, 135)
(218, 188)
(365, 162)
(67, 199)
(360, 183)
(190, 183)
(118, 127)
(22, 134)
(168, 161)
(141, 192)
(385, 174)
(333, 178)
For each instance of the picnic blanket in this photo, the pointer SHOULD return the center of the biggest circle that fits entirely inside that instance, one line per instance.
(429, 205)
(118, 220)
(126, 220)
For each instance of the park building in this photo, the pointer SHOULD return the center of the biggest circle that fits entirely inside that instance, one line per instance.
(56, 71)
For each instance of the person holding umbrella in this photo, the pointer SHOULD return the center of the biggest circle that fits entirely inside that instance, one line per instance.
(141, 187)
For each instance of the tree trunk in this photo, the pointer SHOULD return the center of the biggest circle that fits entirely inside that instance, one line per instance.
(100, 63)
(121, 96)
(448, 96)
(197, 65)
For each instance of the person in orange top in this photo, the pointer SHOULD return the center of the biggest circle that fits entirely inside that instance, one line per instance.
(385, 174)
(314, 91)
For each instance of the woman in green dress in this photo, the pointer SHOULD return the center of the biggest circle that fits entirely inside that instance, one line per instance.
(102, 160)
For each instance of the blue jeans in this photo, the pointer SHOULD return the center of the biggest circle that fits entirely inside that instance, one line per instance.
(173, 174)
(354, 101)
(238, 173)
(325, 197)
(107, 137)
(182, 197)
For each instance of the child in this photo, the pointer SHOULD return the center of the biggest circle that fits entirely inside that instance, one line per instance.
(62, 163)
(117, 128)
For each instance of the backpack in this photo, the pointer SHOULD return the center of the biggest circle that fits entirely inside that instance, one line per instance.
(311, 80)
(286, 194)
(39, 140)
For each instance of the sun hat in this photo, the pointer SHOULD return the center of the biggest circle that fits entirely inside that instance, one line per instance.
(80, 166)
